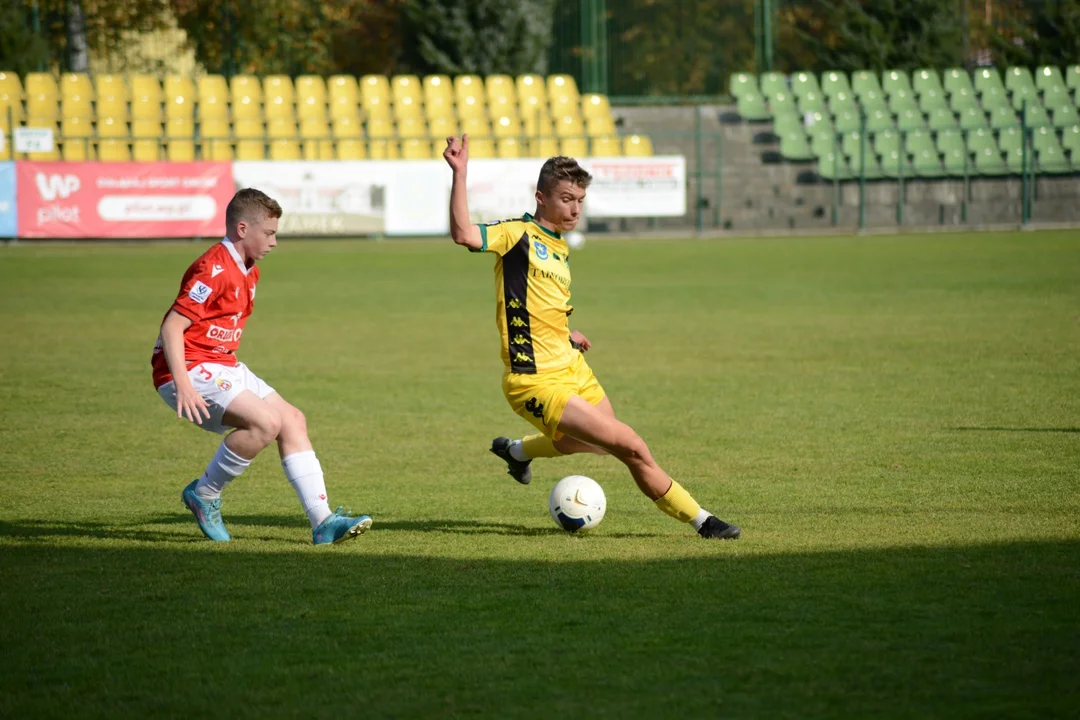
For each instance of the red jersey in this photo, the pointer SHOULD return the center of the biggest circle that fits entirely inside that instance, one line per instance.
(217, 294)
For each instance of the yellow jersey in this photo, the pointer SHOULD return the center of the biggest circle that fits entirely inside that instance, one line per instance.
(532, 295)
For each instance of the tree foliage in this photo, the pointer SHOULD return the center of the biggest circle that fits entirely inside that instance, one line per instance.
(1036, 32)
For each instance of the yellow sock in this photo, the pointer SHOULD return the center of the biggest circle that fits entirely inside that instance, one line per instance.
(539, 446)
(678, 503)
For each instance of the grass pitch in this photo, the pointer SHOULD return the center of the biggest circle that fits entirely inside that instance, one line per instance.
(894, 422)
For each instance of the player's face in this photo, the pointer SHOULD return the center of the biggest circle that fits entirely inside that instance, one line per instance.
(261, 237)
(562, 205)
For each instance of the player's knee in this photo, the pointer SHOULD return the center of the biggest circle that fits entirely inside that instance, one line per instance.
(293, 421)
(631, 449)
(269, 425)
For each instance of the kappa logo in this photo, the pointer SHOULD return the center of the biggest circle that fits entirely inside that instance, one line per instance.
(521, 340)
(536, 408)
(517, 322)
(541, 250)
(51, 187)
(216, 270)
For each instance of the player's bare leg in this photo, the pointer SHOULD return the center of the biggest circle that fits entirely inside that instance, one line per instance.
(591, 425)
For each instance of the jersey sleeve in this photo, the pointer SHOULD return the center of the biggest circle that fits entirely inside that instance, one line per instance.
(197, 289)
(498, 237)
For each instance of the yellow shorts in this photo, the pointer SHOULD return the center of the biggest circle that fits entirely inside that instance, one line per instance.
(541, 398)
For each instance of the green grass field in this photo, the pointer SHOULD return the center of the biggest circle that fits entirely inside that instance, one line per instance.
(893, 421)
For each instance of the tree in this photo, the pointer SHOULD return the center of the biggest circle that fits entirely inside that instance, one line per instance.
(1032, 33)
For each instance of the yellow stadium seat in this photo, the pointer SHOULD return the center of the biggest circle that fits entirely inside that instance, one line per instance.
(146, 144)
(75, 105)
(562, 105)
(245, 86)
(10, 84)
(48, 156)
(145, 86)
(41, 83)
(248, 128)
(215, 144)
(442, 127)
(502, 105)
(562, 85)
(311, 108)
(111, 106)
(279, 86)
(347, 127)
(606, 147)
(531, 86)
(111, 127)
(317, 144)
(180, 150)
(500, 86)
(372, 86)
(179, 85)
(407, 107)
(412, 127)
(344, 106)
(278, 108)
(533, 111)
(180, 127)
(475, 127)
(76, 133)
(250, 144)
(599, 126)
(10, 114)
(574, 147)
(509, 147)
(311, 86)
(383, 150)
(406, 86)
(42, 105)
(438, 94)
(416, 149)
(250, 150)
(284, 150)
(468, 86)
(379, 128)
(343, 86)
(113, 86)
(569, 126)
(351, 149)
(180, 106)
(593, 105)
(143, 108)
(506, 126)
(112, 150)
(472, 106)
(281, 128)
(212, 86)
(377, 107)
(544, 147)
(637, 146)
(76, 84)
(312, 128)
(246, 107)
(481, 148)
(213, 107)
(438, 105)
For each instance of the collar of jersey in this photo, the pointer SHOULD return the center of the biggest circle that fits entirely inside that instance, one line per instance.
(235, 255)
(529, 219)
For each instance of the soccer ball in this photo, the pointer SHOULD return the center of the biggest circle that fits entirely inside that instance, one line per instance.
(575, 239)
(577, 503)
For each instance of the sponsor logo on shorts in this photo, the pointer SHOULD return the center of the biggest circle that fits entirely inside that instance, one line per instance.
(224, 334)
(200, 292)
(223, 384)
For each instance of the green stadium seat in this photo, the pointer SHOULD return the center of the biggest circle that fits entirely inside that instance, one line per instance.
(1070, 140)
(817, 121)
(841, 101)
(879, 120)
(742, 83)
(1036, 116)
(932, 100)
(886, 142)
(894, 80)
(1048, 76)
(793, 146)
(1003, 117)
(957, 79)
(962, 99)
(956, 162)
(803, 83)
(988, 162)
(832, 168)
(1024, 95)
(752, 107)
(864, 81)
(1052, 161)
(873, 100)
(900, 100)
(927, 163)
(782, 102)
(980, 140)
(772, 83)
(1014, 161)
(834, 81)
(948, 139)
(847, 121)
(870, 168)
(1043, 138)
(851, 141)
(926, 80)
(986, 78)
(973, 118)
(941, 119)
(994, 97)
(823, 141)
(1010, 138)
(1056, 96)
(892, 165)
(1072, 77)
(1017, 78)
(910, 119)
(784, 124)
(917, 141)
(811, 101)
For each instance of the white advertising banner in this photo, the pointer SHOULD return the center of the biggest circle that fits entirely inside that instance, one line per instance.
(399, 197)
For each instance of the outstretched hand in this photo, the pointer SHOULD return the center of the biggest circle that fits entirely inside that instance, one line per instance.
(579, 341)
(457, 152)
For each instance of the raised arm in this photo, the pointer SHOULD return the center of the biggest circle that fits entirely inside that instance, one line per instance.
(462, 231)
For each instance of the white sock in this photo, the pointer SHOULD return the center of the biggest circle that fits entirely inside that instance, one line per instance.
(517, 452)
(225, 466)
(700, 519)
(305, 475)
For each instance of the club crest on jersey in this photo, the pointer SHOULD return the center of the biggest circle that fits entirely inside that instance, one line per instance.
(200, 292)
(541, 250)
(223, 385)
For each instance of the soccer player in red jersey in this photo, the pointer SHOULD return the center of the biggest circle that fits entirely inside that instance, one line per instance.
(197, 374)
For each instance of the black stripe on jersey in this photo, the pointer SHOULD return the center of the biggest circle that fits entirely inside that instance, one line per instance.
(515, 294)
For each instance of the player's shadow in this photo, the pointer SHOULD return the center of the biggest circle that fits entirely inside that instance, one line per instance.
(462, 527)
(1017, 429)
(43, 529)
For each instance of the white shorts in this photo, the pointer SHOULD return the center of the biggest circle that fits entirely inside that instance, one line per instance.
(219, 385)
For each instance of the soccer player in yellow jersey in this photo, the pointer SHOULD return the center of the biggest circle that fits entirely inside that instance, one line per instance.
(547, 380)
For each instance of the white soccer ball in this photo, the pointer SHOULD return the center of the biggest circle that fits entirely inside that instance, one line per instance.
(575, 239)
(577, 503)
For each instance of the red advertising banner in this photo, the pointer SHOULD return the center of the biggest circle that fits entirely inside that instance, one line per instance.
(122, 200)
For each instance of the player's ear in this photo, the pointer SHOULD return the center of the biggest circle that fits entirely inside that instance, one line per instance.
(241, 229)
(539, 198)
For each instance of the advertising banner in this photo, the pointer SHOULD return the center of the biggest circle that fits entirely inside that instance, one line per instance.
(7, 200)
(123, 200)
